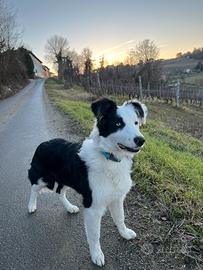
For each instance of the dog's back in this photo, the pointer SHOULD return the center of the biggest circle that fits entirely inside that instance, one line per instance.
(57, 161)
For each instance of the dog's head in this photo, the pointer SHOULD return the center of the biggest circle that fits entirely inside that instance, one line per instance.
(118, 127)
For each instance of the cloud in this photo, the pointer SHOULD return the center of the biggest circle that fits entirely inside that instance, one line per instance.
(162, 45)
(118, 46)
(116, 52)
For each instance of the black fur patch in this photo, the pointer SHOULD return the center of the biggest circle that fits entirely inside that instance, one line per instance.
(103, 107)
(57, 161)
(108, 121)
(138, 109)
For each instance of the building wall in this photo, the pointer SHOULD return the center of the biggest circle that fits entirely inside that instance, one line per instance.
(38, 68)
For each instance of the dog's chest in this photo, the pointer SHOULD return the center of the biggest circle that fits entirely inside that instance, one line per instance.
(110, 180)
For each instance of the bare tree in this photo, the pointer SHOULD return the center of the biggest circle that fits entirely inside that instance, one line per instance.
(86, 54)
(56, 48)
(146, 50)
(102, 62)
(10, 38)
(75, 57)
(86, 66)
(148, 68)
(131, 57)
(179, 54)
(10, 33)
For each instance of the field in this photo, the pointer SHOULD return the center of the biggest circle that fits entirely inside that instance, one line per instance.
(196, 78)
(170, 168)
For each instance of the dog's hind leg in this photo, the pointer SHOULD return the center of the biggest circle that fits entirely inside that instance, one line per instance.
(35, 188)
(68, 206)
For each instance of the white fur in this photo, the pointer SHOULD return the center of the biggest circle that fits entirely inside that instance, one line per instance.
(68, 206)
(35, 189)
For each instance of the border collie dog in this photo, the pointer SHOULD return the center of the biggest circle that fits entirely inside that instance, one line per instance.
(98, 169)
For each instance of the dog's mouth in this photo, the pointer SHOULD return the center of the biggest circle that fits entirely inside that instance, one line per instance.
(133, 150)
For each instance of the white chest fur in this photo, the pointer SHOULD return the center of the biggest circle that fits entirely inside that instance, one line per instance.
(108, 180)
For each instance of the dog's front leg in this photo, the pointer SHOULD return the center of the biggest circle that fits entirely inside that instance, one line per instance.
(117, 213)
(92, 218)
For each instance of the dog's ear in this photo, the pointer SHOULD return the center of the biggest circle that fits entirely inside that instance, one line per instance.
(102, 107)
(140, 109)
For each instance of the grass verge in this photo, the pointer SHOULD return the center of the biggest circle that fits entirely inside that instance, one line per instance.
(170, 167)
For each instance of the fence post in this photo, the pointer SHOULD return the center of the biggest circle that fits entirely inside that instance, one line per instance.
(140, 87)
(99, 82)
(177, 93)
(201, 96)
(148, 89)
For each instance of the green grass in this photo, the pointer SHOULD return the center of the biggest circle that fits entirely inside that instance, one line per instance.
(170, 166)
(171, 170)
(78, 111)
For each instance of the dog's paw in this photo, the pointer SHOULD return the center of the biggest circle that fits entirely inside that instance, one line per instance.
(98, 257)
(73, 209)
(128, 234)
(32, 208)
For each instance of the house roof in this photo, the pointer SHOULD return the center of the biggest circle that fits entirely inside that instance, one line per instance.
(35, 56)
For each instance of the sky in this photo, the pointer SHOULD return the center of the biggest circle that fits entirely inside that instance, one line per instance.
(111, 27)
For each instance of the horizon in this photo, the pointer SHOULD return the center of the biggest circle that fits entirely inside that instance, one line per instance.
(111, 28)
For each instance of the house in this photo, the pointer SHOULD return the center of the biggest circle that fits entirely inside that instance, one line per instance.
(46, 71)
(40, 70)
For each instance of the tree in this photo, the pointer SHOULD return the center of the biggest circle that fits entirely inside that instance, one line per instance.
(149, 69)
(86, 54)
(131, 57)
(75, 57)
(10, 34)
(86, 59)
(68, 72)
(102, 63)
(9, 39)
(146, 50)
(179, 54)
(56, 48)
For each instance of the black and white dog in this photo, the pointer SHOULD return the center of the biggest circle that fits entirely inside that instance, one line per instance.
(99, 168)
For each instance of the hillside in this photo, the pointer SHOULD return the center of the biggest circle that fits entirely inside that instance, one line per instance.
(178, 64)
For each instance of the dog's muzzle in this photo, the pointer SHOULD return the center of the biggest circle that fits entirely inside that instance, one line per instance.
(129, 149)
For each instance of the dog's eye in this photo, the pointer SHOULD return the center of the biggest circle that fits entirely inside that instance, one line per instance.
(136, 122)
(118, 124)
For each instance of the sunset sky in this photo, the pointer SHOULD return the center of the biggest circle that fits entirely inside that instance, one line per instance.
(112, 27)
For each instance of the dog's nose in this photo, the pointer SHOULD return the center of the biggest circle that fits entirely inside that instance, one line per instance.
(139, 141)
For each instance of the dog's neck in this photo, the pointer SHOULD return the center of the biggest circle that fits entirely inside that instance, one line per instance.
(106, 150)
(110, 156)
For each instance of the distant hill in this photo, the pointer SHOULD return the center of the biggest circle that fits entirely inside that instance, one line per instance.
(181, 64)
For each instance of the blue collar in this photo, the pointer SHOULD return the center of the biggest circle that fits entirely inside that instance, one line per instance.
(110, 156)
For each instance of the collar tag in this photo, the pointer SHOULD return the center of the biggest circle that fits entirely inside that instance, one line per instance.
(110, 156)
